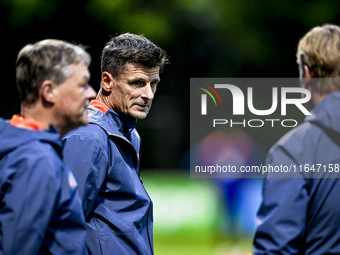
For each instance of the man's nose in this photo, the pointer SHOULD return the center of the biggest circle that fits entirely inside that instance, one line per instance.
(90, 93)
(148, 92)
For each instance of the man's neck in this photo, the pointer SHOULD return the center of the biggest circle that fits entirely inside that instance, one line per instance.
(43, 115)
(316, 98)
(123, 124)
(103, 99)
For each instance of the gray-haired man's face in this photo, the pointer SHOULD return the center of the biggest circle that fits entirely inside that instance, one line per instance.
(132, 94)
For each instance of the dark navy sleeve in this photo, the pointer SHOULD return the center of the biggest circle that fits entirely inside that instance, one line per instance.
(37, 211)
(67, 232)
(282, 215)
(88, 161)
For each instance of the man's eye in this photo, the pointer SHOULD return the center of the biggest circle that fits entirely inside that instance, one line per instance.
(137, 83)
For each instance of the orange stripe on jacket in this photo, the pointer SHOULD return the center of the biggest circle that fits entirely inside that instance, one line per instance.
(18, 121)
(99, 105)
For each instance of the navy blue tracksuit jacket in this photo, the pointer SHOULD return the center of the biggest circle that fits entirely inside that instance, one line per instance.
(104, 157)
(302, 215)
(40, 208)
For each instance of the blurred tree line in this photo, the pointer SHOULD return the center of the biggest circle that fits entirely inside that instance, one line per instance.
(204, 38)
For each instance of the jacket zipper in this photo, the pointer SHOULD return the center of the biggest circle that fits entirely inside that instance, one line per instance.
(138, 175)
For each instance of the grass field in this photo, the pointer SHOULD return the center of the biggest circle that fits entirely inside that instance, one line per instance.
(186, 246)
(189, 217)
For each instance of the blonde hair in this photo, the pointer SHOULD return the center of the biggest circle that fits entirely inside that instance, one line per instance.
(319, 49)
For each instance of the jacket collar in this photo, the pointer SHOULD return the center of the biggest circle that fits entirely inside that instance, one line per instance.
(13, 137)
(124, 125)
(326, 114)
(18, 121)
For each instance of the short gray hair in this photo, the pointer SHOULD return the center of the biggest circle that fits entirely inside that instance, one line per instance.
(46, 60)
(131, 48)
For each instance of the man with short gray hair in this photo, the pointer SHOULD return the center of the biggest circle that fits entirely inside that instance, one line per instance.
(40, 211)
(104, 156)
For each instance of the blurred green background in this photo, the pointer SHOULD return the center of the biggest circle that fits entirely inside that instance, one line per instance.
(204, 38)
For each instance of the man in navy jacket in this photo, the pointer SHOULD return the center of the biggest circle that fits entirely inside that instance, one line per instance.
(104, 156)
(40, 211)
(301, 215)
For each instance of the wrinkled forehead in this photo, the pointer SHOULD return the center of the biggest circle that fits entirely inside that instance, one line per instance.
(137, 69)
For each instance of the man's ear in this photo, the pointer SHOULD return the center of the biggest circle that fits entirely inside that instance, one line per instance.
(107, 81)
(306, 76)
(48, 91)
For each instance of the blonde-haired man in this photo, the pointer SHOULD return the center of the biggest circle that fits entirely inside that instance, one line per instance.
(301, 215)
